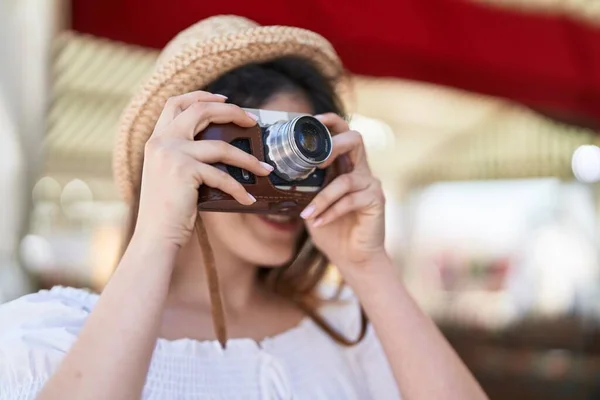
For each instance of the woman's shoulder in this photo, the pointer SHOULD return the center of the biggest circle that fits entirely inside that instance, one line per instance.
(367, 357)
(36, 331)
(62, 308)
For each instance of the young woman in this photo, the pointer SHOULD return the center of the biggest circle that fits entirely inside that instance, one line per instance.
(151, 334)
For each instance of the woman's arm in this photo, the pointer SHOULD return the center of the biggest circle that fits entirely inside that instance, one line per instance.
(346, 221)
(111, 357)
(423, 362)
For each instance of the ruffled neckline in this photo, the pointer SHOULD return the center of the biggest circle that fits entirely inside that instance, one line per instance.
(195, 346)
(191, 346)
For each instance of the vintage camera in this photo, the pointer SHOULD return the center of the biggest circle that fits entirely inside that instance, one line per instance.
(294, 144)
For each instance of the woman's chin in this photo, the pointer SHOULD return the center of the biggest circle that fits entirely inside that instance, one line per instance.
(271, 240)
(273, 259)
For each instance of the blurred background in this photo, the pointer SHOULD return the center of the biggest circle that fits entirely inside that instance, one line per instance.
(481, 117)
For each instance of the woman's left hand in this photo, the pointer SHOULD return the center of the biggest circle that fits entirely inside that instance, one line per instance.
(346, 220)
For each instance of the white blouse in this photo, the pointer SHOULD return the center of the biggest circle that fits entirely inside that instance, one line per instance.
(302, 363)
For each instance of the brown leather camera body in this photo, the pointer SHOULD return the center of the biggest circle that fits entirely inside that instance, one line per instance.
(270, 199)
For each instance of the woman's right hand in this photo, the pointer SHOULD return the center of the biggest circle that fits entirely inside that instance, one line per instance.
(175, 166)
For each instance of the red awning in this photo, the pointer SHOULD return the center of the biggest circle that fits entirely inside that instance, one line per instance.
(548, 62)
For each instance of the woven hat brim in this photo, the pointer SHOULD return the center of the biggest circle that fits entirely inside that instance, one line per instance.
(194, 67)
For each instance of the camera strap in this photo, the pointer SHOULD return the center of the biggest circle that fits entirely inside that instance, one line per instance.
(212, 279)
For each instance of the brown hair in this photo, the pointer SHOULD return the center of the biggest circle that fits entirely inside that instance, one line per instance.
(251, 86)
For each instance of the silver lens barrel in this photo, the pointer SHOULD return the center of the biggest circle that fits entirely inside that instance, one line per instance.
(298, 146)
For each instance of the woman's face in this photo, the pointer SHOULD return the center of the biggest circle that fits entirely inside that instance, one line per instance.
(263, 240)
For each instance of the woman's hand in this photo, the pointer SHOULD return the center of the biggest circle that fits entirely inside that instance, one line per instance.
(347, 225)
(175, 165)
(346, 219)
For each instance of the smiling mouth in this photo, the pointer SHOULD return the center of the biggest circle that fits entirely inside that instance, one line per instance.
(281, 222)
(278, 218)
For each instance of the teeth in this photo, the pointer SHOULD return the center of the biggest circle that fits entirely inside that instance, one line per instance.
(279, 218)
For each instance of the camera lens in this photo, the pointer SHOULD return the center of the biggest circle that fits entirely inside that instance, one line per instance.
(297, 146)
(312, 139)
(308, 141)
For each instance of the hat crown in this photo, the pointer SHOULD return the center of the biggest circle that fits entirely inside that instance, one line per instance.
(219, 26)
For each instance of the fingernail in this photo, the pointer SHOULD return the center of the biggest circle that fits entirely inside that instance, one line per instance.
(307, 212)
(319, 116)
(221, 95)
(318, 222)
(266, 166)
(254, 117)
(252, 198)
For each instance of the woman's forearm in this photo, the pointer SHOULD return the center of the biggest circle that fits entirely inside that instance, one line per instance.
(112, 354)
(423, 362)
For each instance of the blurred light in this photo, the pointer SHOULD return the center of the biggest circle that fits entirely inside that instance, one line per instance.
(105, 246)
(37, 253)
(564, 262)
(77, 199)
(586, 163)
(394, 223)
(377, 135)
(46, 189)
(587, 9)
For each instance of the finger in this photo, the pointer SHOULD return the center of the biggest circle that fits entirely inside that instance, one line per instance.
(350, 143)
(177, 104)
(199, 115)
(338, 188)
(215, 178)
(347, 204)
(218, 151)
(333, 122)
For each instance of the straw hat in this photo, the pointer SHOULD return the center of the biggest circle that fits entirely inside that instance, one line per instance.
(196, 57)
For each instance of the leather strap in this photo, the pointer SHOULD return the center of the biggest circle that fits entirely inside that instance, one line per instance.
(212, 278)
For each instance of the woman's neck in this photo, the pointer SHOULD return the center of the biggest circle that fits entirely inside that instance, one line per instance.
(251, 311)
(237, 280)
